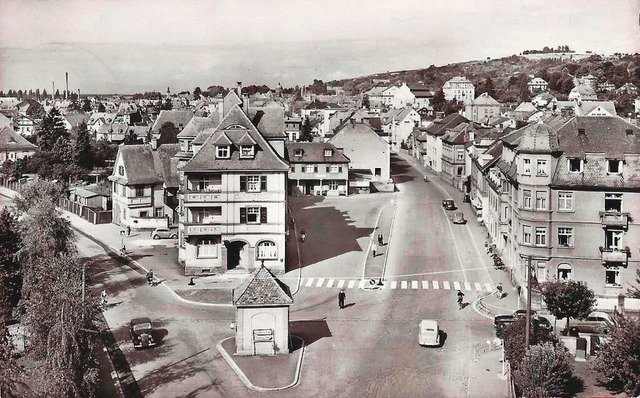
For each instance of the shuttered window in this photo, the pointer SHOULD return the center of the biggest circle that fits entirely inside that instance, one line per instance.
(263, 215)
(243, 183)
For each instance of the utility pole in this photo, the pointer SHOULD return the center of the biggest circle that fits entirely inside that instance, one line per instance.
(528, 323)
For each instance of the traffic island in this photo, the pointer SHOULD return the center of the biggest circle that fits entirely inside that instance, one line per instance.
(265, 372)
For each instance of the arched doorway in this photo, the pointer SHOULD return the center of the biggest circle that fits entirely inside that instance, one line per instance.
(236, 254)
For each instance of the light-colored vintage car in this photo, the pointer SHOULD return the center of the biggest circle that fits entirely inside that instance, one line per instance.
(429, 333)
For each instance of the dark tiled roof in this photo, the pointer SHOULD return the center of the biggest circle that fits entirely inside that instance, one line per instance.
(163, 164)
(316, 104)
(602, 134)
(269, 121)
(538, 138)
(179, 118)
(262, 288)
(12, 141)
(313, 152)
(75, 119)
(139, 165)
(198, 124)
(459, 134)
(440, 127)
(509, 169)
(495, 151)
(234, 126)
(203, 136)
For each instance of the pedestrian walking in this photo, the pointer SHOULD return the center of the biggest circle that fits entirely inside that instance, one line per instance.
(460, 299)
(499, 290)
(341, 297)
(380, 240)
(128, 230)
(373, 249)
(103, 297)
(150, 276)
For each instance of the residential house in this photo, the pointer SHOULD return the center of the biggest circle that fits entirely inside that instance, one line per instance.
(594, 108)
(583, 92)
(606, 87)
(524, 111)
(323, 112)
(144, 184)
(398, 125)
(537, 85)
(590, 80)
(24, 126)
(460, 89)
(13, 146)
(628, 88)
(368, 153)
(454, 154)
(388, 94)
(431, 140)
(403, 97)
(94, 196)
(195, 126)
(5, 121)
(73, 120)
(482, 108)
(376, 94)
(179, 118)
(317, 168)
(115, 132)
(293, 127)
(422, 96)
(233, 203)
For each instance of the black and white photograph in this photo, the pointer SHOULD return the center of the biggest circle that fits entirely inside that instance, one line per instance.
(332, 199)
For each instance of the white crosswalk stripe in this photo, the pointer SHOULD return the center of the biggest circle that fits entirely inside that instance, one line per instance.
(398, 284)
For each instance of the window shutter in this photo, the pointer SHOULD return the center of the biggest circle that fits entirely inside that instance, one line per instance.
(243, 215)
(328, 169)
(339, 169)
(263, 215)
(263, 183)
(315, 168)
(243, 183)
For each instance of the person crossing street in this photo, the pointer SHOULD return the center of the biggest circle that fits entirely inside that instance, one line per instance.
(373, 249)
(341, 298)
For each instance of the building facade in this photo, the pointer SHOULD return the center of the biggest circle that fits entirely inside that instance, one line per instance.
(459, 88)
(317, 168)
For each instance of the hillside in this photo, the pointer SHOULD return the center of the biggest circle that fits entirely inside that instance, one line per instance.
(509, 75)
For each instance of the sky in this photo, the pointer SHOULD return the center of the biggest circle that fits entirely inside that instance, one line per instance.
(127, 46)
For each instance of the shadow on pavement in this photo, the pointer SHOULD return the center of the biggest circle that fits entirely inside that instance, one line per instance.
(400, 170)
(310, 331)
(171, 373)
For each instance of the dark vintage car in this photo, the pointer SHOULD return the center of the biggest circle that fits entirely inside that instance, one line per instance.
(449, 204)
(141, 332)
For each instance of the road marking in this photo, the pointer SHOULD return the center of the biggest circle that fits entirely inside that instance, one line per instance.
(403, 285)
(455, 243)
(488, 287)
(320, 282)
(340, 283)
(309, 282)
(361, 284)
(446, 285)
(330, 283)
(456, 285)
(394, 284)
(351, 284)
(425, 284)
(414, 284)
(467, 286)
(478, 286)
(435, 285)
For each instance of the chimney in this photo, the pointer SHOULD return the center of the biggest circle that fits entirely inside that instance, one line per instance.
(66, 91)
(154, 142)
(629, 132)
(245, 102)
(78, 94)
(239, 90)
(53, 89)
(580, 131)
(353, 122)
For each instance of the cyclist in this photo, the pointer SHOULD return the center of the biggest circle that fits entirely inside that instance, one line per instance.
(460, 297)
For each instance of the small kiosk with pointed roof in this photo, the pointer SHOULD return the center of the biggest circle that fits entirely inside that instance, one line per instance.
(262, 314)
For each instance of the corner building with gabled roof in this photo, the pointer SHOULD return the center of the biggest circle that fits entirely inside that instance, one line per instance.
(233, 200)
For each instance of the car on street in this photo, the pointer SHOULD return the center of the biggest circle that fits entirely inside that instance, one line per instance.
(458, 217)
(141, 330)
(449, 204)
(597, 322)
(429, 333)
(164, 233)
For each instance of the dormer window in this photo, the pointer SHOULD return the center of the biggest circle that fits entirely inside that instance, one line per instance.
(328, 153)
(298, 153)
(614, 166)
(246, 151)
(223, 152)
(575, 165)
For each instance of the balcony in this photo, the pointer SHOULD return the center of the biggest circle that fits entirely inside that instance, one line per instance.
(139, 201)
(614, 219)
(199, 197)
(610, 255)
(192, 229)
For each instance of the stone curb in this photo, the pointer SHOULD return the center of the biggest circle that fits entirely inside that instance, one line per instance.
(245, 380)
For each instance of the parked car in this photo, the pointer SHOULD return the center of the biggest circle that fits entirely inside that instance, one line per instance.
(597, 322)
(429, 333)
(458, 217)
(164, 233)
(449, 204)
(141, 330)
(501, 321)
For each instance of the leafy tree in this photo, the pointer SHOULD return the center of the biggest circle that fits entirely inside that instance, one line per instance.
(166, 105)
(53, 127)
(453, 106)
(306, 134)
(634, 291)
(490, 88)
(10, 271)
(35, 191)
(11, 384)
(618, 363)
(568, 299)
(546, 371)
(101, 108)
(44, 93)
(514, 338)
(131, 138)
(439, 102)
(365, 102)
(82, 154)
(57, 94)
(168, 134)
(197, 92)
(103, 151)
(86, 105)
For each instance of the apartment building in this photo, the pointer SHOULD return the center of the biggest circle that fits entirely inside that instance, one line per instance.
(317, 168)
(459, 88)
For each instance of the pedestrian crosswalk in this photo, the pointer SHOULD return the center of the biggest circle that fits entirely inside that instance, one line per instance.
(397, 284)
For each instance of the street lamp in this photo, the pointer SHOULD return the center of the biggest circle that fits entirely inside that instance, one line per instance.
(528, 258)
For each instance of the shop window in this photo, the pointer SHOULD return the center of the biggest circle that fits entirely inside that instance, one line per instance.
(267, 250)
(207, 248)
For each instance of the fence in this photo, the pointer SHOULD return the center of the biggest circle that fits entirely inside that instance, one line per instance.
(89, 214)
